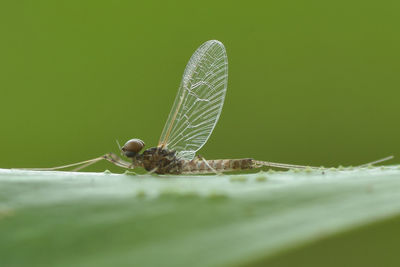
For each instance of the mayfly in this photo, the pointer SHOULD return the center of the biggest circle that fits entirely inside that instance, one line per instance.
(193, 116)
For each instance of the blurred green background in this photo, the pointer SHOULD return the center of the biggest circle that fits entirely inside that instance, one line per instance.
(310, 82)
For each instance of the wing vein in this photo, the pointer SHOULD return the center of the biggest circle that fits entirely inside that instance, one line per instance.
(198, 103)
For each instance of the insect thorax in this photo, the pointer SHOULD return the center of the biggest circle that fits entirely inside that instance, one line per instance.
(160, 161)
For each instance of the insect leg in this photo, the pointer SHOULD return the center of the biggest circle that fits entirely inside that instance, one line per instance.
(208, 165)
(111, 157)
(153, 170)
(89, 162)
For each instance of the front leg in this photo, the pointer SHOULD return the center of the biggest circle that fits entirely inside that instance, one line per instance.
(113, 158)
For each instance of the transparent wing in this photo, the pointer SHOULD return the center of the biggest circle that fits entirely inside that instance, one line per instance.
(199, 101)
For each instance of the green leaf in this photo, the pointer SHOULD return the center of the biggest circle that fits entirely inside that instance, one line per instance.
(104, 219)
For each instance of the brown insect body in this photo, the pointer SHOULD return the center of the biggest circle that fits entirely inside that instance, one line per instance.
(164, 161)
(217, 165)
(159, 160)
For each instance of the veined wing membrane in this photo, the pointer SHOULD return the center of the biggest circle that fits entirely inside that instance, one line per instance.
(199, 101)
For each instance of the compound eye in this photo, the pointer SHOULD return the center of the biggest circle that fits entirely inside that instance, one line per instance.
(132, 147)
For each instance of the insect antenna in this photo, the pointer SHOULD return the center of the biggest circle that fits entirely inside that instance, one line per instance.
(118, 144)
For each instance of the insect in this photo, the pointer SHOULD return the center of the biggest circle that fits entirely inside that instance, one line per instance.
(193, 116)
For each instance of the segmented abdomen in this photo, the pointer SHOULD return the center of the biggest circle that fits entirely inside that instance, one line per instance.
(219, 165)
